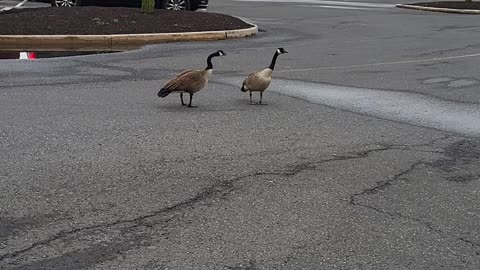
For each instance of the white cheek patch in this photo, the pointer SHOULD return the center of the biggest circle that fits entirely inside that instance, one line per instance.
(278, 51)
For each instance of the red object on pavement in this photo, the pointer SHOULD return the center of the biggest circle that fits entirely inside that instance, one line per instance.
(31, 55)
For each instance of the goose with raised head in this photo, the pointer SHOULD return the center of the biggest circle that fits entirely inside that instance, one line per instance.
(190, 81)
(260, 80)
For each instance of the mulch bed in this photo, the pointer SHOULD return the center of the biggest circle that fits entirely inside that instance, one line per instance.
(450, 4)
(111, 20)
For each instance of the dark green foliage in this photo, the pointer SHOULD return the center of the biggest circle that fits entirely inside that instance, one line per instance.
(148, 6)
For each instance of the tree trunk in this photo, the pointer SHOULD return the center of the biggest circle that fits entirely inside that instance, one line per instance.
(148, 6)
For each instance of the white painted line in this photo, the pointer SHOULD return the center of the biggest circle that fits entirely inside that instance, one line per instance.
(343, 7)
(16, 6)
(399, 106)
(384, 63)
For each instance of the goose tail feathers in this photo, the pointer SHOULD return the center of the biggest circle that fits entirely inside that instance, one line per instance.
(244, 88)
(164, 92)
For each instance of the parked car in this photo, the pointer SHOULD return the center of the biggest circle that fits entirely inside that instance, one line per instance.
(163, 4)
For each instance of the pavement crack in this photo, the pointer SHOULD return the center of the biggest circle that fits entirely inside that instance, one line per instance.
(470, 242)
(430, 227)
(136, 222)
(252, 265)
(452, 158)
(382, 185)
(217, 191)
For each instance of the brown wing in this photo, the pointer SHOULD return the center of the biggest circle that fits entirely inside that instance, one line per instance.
(251, 77)
(183, 72)
(172, 82)
(188, 81)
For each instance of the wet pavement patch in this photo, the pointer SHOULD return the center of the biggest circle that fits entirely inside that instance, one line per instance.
(463, 178)
(457, 155)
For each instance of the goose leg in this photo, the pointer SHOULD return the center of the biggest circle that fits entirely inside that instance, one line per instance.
(181, 98)
(261, 96)
(190, 103)
(251, 101)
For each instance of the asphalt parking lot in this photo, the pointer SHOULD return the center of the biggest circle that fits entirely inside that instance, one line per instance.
(97, 172)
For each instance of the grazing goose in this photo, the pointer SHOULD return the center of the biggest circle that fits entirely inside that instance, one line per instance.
(190, 81)
(260, 80)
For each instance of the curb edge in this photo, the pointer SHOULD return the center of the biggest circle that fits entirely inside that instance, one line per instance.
(111, 42)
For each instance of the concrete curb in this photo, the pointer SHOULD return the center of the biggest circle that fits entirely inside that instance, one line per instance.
(114, 42)
(447, 10)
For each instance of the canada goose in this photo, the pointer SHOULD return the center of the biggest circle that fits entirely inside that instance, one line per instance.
(190, 81)
(260, 80)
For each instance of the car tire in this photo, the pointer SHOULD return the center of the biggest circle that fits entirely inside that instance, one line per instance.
(66, 3)
(175, 4)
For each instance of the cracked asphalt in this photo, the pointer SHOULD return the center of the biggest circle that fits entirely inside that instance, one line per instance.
(97, 172)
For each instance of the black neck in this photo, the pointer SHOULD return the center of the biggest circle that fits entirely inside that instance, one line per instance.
(209, 61)
(274, 59)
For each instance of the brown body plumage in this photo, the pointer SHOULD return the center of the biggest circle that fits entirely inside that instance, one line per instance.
(190, 81)
(260, 80)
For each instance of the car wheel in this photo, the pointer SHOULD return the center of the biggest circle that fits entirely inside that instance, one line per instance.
(176, 4)
(66, 3)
